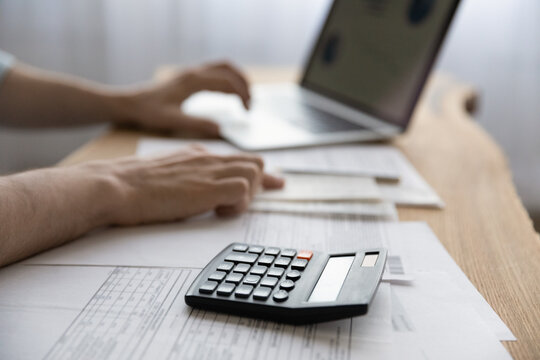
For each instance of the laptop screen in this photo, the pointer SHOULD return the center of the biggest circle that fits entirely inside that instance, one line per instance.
(375, 55)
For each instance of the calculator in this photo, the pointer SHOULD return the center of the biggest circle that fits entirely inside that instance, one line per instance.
(288, 285)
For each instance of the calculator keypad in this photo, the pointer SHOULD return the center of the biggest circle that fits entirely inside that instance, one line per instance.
(262, 273)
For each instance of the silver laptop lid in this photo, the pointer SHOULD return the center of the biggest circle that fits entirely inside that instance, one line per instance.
(374, 55)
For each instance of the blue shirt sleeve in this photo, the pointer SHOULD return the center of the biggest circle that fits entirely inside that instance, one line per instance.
(6, 60)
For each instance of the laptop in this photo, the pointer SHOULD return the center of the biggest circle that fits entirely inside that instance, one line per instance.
(361, 82)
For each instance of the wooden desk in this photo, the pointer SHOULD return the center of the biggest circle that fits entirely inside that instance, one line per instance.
(484, 226)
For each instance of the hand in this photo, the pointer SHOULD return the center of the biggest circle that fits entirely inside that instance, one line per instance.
(186, 183)
(158, 106)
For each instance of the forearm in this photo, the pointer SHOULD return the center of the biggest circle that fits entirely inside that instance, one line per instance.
(34, 98)
(44, 208)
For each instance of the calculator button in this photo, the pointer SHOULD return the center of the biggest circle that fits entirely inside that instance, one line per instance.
(282, 262)
(225, 289)
(287, 285)
(275, 272)
(234, 278)
(256, 249)
(299, 264)
(269, 282)
(241, 268)
(288, 252)
(305, 254)
(252, 279)
(242, 258)
(226, 266)
(243, 291)
(281, 295)
(274, 251)
(262, 293)
(293, 275)
(258, 270)
(266, 260)
(208, 287)
(217, 276)
(240, 247)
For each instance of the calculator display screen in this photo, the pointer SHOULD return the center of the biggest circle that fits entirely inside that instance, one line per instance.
(332, 278)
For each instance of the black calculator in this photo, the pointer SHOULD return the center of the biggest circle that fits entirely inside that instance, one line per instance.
(288, 285)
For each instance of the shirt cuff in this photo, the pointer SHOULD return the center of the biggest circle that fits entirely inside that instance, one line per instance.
(6, 62)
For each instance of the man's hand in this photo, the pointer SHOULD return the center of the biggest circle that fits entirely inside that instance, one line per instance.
(186, 183)
(158, 105)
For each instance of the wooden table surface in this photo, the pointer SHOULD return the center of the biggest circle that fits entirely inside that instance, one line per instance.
(484, 226)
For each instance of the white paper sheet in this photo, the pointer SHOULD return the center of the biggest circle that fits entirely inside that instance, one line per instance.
(424, 254)
(323, 188)
(193, 243)
(369, 211)
(439, 330)
(412, 190)
(38, 303)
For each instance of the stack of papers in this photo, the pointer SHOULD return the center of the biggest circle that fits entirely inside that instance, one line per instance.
(90, 300)
(340, 180)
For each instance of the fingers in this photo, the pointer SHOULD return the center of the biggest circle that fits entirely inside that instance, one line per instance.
(220, 77)
(230, 182)
(235, 72)
(272, 182)
(247, 170)
(234, 194)
(242, 157)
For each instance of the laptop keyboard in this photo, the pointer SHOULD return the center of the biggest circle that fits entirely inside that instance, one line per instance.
(314, 120)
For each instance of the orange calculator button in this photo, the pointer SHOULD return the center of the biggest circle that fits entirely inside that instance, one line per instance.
(305, 254)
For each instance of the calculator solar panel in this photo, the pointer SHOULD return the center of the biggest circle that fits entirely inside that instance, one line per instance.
(288, 285)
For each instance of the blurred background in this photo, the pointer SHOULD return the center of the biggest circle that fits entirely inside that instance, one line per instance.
(494, 45)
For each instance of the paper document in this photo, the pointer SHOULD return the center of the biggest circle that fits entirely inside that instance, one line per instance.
(365, 210)
(304, 187)
(193, 243)
(139, 313)
(411, 190)
(157, 324)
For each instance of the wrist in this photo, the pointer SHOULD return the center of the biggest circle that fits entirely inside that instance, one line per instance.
(126, 107)
(104, 193)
